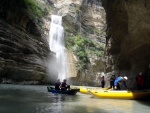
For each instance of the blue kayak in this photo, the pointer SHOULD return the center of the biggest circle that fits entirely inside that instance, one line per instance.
(69, 92)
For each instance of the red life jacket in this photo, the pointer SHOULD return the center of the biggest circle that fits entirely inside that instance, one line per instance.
(140, 80)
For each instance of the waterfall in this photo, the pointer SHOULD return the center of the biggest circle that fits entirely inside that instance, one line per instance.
(57, 45)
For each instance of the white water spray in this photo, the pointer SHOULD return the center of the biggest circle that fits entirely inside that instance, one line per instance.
(57, 45)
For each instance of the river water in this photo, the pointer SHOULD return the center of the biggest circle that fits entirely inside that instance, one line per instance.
(36, 99)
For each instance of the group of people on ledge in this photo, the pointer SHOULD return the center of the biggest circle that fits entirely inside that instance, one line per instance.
(116, 81)
(62, 85)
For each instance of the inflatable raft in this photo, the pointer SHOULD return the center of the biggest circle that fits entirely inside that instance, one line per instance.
(121, 94)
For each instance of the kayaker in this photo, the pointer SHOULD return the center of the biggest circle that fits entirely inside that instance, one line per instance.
(140, 81)
(120, 80)
(112, 79)
(57, 84)
(64, 85)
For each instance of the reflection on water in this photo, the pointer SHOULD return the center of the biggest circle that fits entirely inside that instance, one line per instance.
(36, 99)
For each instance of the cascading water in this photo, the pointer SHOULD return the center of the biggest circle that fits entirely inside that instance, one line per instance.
(57, 45)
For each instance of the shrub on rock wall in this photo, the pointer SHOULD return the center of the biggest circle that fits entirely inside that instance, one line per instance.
(84, 48)
(35, 8)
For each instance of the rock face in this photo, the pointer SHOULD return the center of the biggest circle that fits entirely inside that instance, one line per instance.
(23, 47)
(87, 18)
(127, 40)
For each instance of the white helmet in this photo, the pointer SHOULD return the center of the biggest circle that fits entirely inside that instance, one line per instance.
(126, 78)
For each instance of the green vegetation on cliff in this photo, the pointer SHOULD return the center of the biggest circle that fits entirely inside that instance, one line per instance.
(36, 8)
(83, 48)
(13, 10)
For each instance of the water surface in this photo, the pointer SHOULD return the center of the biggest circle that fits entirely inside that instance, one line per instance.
(36, 99)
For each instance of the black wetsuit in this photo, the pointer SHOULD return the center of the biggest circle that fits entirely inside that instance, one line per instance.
(112, 79)
(57, 86)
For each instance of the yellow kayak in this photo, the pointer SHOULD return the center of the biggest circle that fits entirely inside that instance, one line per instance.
(81, 89)
(84, 90)
(121, 94)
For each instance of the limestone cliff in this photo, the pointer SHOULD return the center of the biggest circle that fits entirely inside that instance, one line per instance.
(127, 40)
(23, 46)
(24, 31)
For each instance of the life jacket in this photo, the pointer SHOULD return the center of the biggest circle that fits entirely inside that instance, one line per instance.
(140, 80)
(103, 80)
(112, 78)
(57, 85)
(63, 85)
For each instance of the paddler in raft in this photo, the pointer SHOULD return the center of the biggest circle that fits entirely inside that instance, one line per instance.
(64, 85)
(57, 84)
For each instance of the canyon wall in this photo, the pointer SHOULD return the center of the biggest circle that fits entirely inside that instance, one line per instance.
(24, 47)
(24, 37)
(127, 39)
